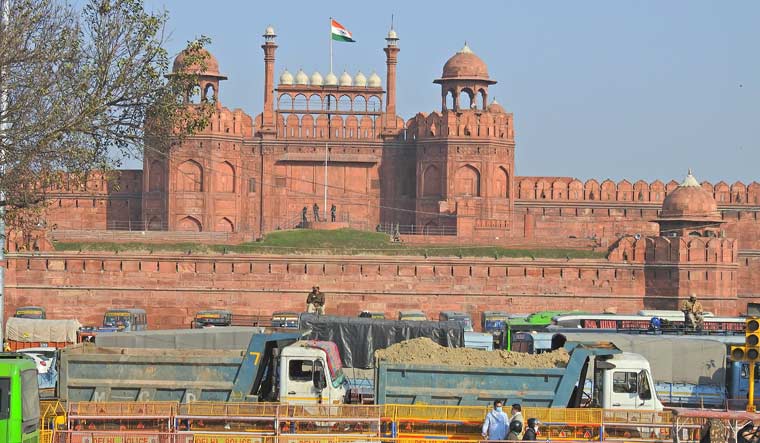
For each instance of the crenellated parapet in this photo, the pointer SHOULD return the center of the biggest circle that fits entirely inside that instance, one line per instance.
(573, 189)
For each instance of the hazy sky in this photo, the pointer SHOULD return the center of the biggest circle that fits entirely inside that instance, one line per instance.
(603, 89)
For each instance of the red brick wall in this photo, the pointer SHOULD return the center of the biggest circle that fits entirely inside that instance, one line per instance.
(173, 287)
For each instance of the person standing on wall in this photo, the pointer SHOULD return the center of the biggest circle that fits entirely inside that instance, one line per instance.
(315, 302)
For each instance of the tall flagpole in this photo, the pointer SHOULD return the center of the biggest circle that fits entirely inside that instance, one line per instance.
(329, 128)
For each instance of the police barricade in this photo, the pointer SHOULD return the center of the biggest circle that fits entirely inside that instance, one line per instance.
(330, 419)
(441, 422)
(121, 416)
(113, 437)
(256, 418)
(636, 425)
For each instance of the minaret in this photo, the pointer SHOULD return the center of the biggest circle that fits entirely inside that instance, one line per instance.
(391, 58)
(269, 46)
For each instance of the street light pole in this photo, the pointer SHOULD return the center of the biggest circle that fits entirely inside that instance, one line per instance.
(4, 14)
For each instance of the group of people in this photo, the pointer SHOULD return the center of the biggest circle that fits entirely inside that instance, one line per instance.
(315, 210)
(315, 301)
(500, 426)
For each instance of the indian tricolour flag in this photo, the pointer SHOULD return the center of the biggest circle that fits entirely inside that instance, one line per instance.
(340, 33)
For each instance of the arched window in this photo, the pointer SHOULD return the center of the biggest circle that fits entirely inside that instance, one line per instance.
(344, 103)
(189, 224)
(374, 105)
(450, 100)
(467, 181)
(190, 177)
(195, 95)
(315, 103)
(156, 176)
(331, 103)
(285, 103)
(431, 182)
(225, 178)
(209, 94)
(466, 99)
(224, 225)
(360, 104)
(502, 183)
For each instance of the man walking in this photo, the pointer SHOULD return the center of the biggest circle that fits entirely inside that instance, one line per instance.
(516, 416)
(496, 422)
(333, 211)
(315, 302)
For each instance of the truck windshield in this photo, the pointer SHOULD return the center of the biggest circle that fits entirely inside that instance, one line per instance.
(116, 318)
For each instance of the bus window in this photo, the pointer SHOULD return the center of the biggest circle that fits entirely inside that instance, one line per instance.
(34, 312)
(30, 401)
(5, 398)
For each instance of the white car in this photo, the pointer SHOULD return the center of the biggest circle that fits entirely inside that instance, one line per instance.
(44, 358)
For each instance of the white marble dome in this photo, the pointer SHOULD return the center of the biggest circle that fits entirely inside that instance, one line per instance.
(302, 78)
(331, 79)
(316, 79)
(269, 31)
(286, 78)
(345, 79)
(374, 81)
(360, 79)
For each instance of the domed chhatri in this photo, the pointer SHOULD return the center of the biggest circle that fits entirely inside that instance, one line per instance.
(689, 211)
(210, 69)
(316, 79)
(360, 80)
(286, 78)
(465, 65)
(496, 108)
(374, 81)
(301, 78)
(346, 80)
(689, 201)
(331, 79)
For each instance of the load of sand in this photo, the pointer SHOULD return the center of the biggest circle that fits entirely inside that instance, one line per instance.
(425, 351)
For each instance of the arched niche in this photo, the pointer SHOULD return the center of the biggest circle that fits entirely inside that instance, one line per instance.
(467, 182)
(190, 177)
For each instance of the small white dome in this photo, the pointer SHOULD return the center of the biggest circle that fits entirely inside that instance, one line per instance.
(374, 81)
(360, 79)
(331, 79)
(465, 49)
(316, 79)
(345, 79)
(286, 78)
(302, 78)
(269, 31)
(392, 35)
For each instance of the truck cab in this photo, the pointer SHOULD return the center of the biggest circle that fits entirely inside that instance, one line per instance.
(311, 373)
(461, 317)
(624, 381)
(412, 314)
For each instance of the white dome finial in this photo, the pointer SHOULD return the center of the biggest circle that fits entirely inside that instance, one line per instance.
(465, 49)
(690, 181)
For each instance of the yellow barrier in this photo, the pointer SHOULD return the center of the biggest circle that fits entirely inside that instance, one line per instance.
(427, 412)
(612, 416)
(212, 409)
(159, 409)
(579, 416)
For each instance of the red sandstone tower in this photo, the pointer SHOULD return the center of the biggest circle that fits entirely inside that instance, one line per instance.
(465, 156)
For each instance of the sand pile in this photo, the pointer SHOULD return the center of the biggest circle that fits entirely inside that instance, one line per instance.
(426, 351)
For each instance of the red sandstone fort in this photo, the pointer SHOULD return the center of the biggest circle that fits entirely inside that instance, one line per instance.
(444, 177)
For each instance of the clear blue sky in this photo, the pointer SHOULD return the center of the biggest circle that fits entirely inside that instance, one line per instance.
(602, 89)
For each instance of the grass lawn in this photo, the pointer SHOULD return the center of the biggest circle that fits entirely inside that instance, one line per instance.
(337, 242)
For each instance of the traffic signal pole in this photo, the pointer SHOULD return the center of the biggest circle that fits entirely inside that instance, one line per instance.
(751, 402)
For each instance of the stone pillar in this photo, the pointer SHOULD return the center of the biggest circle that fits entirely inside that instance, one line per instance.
(391, 59)
(269, 47)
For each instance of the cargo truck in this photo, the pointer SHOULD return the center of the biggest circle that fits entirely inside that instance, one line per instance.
(624, 381)
(281, 367)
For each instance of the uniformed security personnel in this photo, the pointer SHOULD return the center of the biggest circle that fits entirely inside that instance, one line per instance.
(693, 313)
(315, 302)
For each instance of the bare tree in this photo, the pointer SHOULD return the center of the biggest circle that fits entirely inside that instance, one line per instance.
(83, 85)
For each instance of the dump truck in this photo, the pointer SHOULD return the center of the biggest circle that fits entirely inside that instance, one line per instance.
(624, 381)
(274, 367)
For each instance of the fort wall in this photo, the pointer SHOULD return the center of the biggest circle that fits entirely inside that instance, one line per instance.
(173, 287)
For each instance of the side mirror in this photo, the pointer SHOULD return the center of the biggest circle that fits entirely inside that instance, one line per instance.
(318, 377)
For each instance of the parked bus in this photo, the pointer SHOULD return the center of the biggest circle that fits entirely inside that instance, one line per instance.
(19, 399)
(412, 314)
(35, 312)
(285, 319)
(118, 320)
(719, 325)
(214, 317)
(461, 317)
(372, 314)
